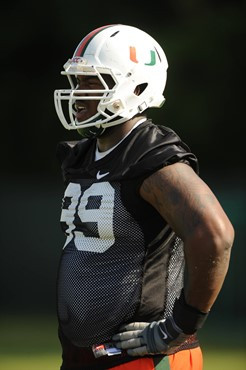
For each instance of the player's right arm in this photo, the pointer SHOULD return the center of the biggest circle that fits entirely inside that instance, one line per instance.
(194, 213)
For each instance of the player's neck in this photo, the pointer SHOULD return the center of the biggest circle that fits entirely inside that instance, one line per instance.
(115, 134)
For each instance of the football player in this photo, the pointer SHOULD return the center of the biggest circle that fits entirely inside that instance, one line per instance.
(147, 243)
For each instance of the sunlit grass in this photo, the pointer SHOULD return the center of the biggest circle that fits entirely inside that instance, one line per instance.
(224, 359)
(31, 343)
(30, 362)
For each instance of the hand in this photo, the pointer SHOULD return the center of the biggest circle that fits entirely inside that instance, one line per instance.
(142, 338)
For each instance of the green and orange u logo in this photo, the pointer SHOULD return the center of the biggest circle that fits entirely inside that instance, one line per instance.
(133, 56)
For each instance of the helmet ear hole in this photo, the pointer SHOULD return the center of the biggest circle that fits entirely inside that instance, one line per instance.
(140, 89)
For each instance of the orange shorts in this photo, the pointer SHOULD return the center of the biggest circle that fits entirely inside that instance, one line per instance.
(189, 359)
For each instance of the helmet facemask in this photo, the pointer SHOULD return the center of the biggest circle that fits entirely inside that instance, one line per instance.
(67, 112)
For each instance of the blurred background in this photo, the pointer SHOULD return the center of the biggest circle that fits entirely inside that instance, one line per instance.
(204, 41)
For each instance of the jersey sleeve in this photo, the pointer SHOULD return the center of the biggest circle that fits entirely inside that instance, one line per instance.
(157, 147)
(71, 154)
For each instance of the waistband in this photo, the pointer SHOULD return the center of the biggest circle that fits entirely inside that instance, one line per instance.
(84, 358)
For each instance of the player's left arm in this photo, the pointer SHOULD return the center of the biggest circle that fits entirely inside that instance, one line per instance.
(194, 213)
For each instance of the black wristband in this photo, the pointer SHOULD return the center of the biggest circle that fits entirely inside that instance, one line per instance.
(188, 318)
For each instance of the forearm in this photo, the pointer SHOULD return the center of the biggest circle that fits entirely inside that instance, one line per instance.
(207, 263)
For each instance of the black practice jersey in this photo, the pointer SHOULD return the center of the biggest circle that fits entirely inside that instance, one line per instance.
(121, 261)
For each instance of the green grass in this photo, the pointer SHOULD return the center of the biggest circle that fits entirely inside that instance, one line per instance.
(224, 345)
(30, 362)
(31, 343)
(222, 359)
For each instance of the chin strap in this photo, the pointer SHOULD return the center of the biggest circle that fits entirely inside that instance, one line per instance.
(91, 132)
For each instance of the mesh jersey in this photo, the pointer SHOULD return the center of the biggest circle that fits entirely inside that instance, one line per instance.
(121, 261)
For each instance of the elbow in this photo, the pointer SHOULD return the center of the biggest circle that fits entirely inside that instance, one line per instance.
(215, 238)
(219, 238)
(224, 236)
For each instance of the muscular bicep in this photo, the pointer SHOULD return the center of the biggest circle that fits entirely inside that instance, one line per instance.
(183, 200)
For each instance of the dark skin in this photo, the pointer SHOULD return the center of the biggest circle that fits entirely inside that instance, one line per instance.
(89, 106)
(190, 208)
(194, 213)
(113, 134)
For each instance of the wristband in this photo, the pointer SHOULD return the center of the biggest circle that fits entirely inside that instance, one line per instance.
(188, 318)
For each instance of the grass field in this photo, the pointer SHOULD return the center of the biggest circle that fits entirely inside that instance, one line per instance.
(31, 344)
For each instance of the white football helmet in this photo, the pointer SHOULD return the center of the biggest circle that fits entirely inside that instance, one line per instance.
(132, 58)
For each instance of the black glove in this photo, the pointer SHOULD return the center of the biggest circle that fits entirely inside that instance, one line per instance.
(163, 336)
